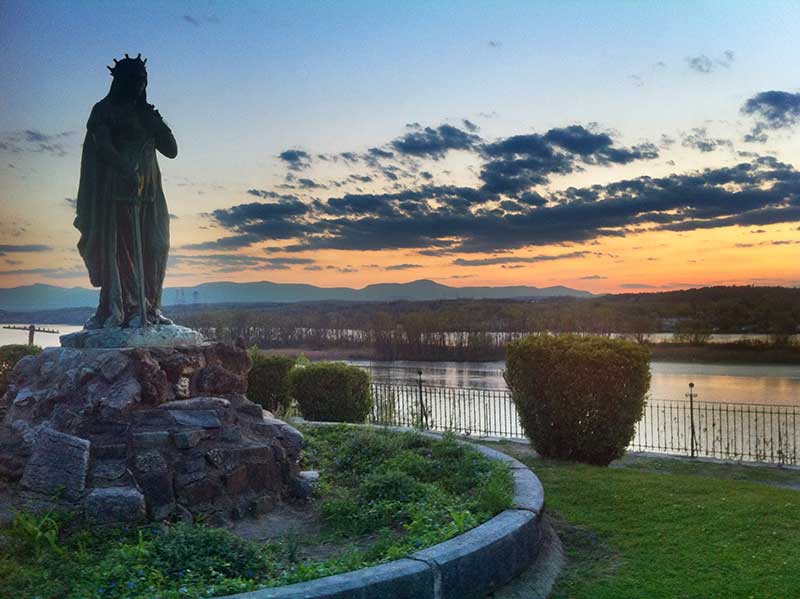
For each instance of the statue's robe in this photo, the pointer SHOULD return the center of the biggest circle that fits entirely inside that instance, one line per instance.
(105, 204)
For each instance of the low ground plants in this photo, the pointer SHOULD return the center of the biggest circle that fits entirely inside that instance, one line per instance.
(9, 356)
(382, 496)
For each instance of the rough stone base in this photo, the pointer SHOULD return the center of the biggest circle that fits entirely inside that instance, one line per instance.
(170, 335)
(95, 430)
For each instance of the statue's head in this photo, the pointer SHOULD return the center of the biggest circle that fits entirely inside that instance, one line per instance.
(130, 77)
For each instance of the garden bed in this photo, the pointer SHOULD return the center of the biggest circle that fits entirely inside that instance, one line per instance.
(382, 496)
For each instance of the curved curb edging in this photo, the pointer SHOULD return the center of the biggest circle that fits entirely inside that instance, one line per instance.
(470, 565)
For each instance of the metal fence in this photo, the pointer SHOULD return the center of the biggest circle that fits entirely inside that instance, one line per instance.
(742, 432)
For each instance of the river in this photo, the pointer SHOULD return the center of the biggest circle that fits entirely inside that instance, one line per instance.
(734, 383)
(737, 383)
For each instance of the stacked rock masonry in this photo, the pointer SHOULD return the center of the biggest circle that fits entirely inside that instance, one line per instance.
(124, 435)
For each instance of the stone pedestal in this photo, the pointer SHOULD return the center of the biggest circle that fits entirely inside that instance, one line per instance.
(170, 335)
(158, 432)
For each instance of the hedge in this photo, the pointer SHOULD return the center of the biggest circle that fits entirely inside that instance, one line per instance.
(331, 392)
(268, 381)
(578, 397)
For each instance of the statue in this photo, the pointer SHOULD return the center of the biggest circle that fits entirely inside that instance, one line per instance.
(122, 214)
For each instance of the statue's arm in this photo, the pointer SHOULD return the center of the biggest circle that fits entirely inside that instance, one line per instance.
(165, 140)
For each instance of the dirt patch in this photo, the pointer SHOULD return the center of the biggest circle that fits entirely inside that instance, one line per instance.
(284, 521)
(299, 527)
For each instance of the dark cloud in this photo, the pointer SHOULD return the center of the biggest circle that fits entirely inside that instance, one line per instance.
(440, 220)
(32, 140)
(495, 44)
(306, 183)
(34, 247)
(234, 242)
(698, 139)
(435, 142)
(520, 162)
(771, 110)
(593, 278)
(378, 153)
(235, 262)
(403, 266)
(55, 273)
(521, 259)
(296, 159)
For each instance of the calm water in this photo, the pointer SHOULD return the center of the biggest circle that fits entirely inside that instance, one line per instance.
(737, 383)
(8, 337)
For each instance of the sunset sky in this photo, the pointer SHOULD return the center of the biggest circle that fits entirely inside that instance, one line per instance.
(607, 146)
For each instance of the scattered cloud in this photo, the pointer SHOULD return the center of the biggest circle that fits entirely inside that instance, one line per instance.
(593, 278)
(521, 259)
(55, 273)
(637, 286)
(703, 64)
(698, 139)
(435, 142)
(296, 159)
(32, 140)
(403, 266)
(771, 111)
(34, 247)
(236, 262)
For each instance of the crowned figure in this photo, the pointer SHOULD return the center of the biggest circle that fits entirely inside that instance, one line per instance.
(122, 214)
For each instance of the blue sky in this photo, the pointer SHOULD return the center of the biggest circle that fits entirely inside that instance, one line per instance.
(241, 82)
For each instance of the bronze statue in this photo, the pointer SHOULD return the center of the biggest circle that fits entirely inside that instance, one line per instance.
(121, 210)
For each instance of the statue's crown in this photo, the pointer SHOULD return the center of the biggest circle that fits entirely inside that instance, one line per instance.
(127, 64)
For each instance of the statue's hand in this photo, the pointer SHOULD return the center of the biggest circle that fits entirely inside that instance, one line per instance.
(154, 118)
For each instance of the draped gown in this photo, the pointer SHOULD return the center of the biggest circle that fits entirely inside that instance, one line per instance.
(121, 137)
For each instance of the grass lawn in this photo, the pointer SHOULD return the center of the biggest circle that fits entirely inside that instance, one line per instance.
(655, 528)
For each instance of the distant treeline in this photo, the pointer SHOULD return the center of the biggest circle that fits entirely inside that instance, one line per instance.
(479, 329)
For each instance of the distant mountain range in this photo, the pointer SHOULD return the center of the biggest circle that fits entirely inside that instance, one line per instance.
(51, 297)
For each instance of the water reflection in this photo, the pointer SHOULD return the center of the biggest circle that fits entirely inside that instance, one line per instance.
(732, 383)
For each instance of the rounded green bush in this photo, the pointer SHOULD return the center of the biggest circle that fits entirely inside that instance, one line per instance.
(268, 381)
(331, 392)
(578, 397)
(9, 356)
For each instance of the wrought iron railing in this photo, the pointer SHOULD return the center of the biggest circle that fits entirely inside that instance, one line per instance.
(742, 432)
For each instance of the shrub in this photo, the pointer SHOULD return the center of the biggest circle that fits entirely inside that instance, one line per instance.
(9, 356)
(578, 398)
(268, 381)
(331, 392)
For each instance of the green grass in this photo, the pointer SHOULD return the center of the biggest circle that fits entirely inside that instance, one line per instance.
(399, 492)
(661, 528)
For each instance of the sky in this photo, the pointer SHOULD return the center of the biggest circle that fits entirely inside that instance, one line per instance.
(606, 146)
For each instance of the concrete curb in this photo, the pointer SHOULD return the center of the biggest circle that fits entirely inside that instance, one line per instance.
(470, 565)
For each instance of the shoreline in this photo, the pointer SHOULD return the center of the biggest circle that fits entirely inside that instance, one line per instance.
(661, 352)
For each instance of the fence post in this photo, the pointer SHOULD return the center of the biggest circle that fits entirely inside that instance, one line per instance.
(691, 397)
(423, 413)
